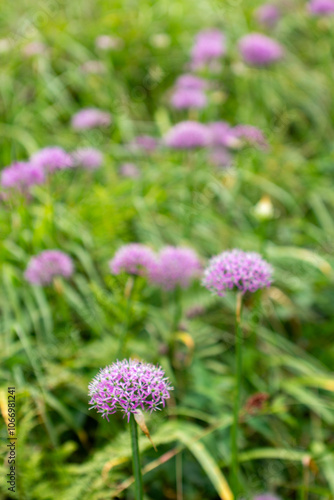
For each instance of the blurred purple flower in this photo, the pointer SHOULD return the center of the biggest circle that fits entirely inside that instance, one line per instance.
(52, 158)
(188, 135)
(268, 15)
(321, 7)
(260, 50)
(174, 267)
(90, 118)
(45, 266)
(129, 170)
(189, 81)
(221, 134)
(34, 49)
(89, 158)
(134, 258)
(93, 67)
(266, 496)
(22, 176)
(251, 135)
(186, 98)
(245, 271)
(209, 44)
(106, 42)
(221, 157)
(129, 386)
(144, 143)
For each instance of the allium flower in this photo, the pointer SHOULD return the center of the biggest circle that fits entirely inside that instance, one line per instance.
(175, 267)
(268, 15)
(260, 50)
(106, 42)
(89, 158)
(266, 496)
(90, 118)
(144, 143)
(222, 134)
(209, 44)
(22, 176)
(34, 49)
(129, 386)
(245, 271)
(188, 135)
(134, 258)
(189, 81)
(221, 157)
(45, 266)
(321, 7)
(93, 67)
(52, 158)
(185, 98)
(251, 135)
(129, 170)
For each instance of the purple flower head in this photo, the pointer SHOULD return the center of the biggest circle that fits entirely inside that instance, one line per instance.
(268, 15)
(129, 386)
(189, 81)
(143, 143)
(209, 44)
(235, 269)
(321, 7)
(266, 496)
(34, 49)
(222, 134)
(221, 157)
(133, 258)
(251, 135)
(45, 266)
(106, 42)
(52, 158)
(90, 118)
(185, 98)
(89, 158)
(260, 50)
(93, 67)
(22, 176)
(175, 267)
(129, 170)
(188, 135)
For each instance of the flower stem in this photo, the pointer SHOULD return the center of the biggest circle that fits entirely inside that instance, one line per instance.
(234, 434)
(125, 327)
(135, 459)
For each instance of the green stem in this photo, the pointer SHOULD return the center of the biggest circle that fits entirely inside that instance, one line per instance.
(135, 459)
(125, 327)
(236, 409)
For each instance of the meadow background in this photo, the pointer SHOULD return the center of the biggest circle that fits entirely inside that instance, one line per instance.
(278, 202)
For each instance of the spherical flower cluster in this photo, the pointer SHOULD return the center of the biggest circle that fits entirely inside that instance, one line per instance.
(209, 45)
(175, 267)
(129, 170)
(143, 143)
(22, 176)
(189, 81)
(45, 266)
(187, 98)
(89, 158)
(134, 258)
(250, 134)
(321, 7)
(268, 15)
(266, 496)
(52, 158)
(129, 386)
(235, 269)
(90, 118)
(260, 50)
(222, 134)
(188, 135)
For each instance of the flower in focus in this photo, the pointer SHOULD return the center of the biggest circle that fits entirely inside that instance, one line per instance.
(321, 7)
(90, 118)
(189, 81)
(89, 158)
(268, 15)
(209, 45)
(129, 170)
(129, 386)
(45, 266)
(174, 267)
(186, 98)
(106, 42)
(52, 158)
(143, 143)
(134, 258)
(235, 269)
(249, 134)
(260, 50)
(188, 135)
(22, 176)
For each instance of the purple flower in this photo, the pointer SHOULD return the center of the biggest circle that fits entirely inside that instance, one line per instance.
(133, 258)
(129, 170)
(175, 267)
(321, 7)
(106, 42)
(268, 15)
(266, 496)
(89, 158)
(221, 134)
(260, 50)
(143, 143)
(43, 267)
(209, 45)
(34, 49)
(221, 157)
(93, 67)
(22, 176)
(251, 135)
(189, 81)
(129, 386)
(52, 158)
(188, 135)
(237, 269)
(186, 98)
(90, 118)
